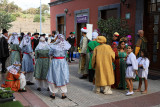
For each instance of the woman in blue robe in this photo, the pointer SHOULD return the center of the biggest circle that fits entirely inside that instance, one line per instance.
(58, 73)
(27, 61)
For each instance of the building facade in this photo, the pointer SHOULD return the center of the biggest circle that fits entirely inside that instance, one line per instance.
(71, 15)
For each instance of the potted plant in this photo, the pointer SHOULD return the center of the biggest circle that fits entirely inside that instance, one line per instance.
(6, 94)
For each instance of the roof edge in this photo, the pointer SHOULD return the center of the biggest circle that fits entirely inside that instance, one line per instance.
(58, 2)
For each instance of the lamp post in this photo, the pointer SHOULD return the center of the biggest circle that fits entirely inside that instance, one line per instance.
(40, 18)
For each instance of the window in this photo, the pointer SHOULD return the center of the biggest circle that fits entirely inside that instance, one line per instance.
(154, 6)
(105, 14)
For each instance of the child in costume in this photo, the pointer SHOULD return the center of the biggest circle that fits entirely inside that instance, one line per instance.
(15, 78)
(131, 71)
(143, 65)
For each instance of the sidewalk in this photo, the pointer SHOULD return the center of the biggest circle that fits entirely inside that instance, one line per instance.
(80, 94)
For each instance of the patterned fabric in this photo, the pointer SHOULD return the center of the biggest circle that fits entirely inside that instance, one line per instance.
(58, 73)
(12, 81)
(13, 39)
(15, 54)
(60, 44)
(120, 70)
(42, 64)
(25, 41)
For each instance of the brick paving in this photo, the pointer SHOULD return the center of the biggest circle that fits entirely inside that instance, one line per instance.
(143, 101)
(80, 94)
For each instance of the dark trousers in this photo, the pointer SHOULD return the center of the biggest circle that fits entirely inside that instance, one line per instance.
(91, 73)
(71, 55)
(3, 61)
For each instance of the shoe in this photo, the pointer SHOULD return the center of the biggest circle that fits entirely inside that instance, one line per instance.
(69, 61)
(63, 97)
(51, 96)
(39, 89)
(22, 90)
(108, 93)
(83, 77)
(129, 93)
(48, 89)
(30, 83)
(72, 60)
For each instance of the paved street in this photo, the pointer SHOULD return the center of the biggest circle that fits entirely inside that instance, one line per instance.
(80, 94)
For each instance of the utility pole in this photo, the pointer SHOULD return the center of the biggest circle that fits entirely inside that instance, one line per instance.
(40, 18)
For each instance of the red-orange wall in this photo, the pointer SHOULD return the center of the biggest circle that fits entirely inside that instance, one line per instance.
(93, 10)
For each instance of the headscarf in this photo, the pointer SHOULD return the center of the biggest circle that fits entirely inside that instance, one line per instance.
(13, 69)
(13, 39)
(25, 41)
(101, 39)
(60, 44)
(116, 34)
(94, 35)
(43, 45)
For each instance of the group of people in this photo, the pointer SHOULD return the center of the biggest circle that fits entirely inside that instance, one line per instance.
(106, 66)
(115, 65)
(51, 69)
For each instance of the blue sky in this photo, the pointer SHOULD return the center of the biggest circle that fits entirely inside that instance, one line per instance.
(25, 4)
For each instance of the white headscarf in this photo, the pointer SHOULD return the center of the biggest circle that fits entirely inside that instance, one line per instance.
(94, 35)
(43, 45)
(1, 35)
(60, 44)
(13, 69)
(13, 39)
(25, 41)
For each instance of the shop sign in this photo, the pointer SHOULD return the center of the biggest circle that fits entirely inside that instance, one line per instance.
(82, 19)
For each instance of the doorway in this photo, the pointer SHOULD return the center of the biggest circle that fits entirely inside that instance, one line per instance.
(79, 34)
(61, 24)
(152, 32)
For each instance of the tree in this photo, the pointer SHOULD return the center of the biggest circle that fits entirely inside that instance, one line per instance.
(111, 25)
(37, 18)
(5, 20)
(9, 7)
(45, 9)
(3, 4)
(31, 11)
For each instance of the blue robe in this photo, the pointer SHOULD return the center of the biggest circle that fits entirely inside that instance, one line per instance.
(27, 61)
(58, 73)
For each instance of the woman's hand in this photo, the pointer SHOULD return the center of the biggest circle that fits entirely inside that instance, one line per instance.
(140, 65)
(136, 72)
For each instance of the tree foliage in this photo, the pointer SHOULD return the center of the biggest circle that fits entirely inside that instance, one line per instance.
(9, 7)
(37, 18)
(31, 11)
(5, 20)
(45, 9)
(110, 26)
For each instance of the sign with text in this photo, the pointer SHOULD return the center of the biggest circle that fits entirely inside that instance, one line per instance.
(90, 30)
(82, 19)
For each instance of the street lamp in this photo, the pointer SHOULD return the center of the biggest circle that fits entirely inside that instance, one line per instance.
(66, 11)
(40, 18)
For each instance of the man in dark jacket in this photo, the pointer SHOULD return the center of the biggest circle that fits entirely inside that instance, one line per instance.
(4, 51)
(72, 41)
(35, 41)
